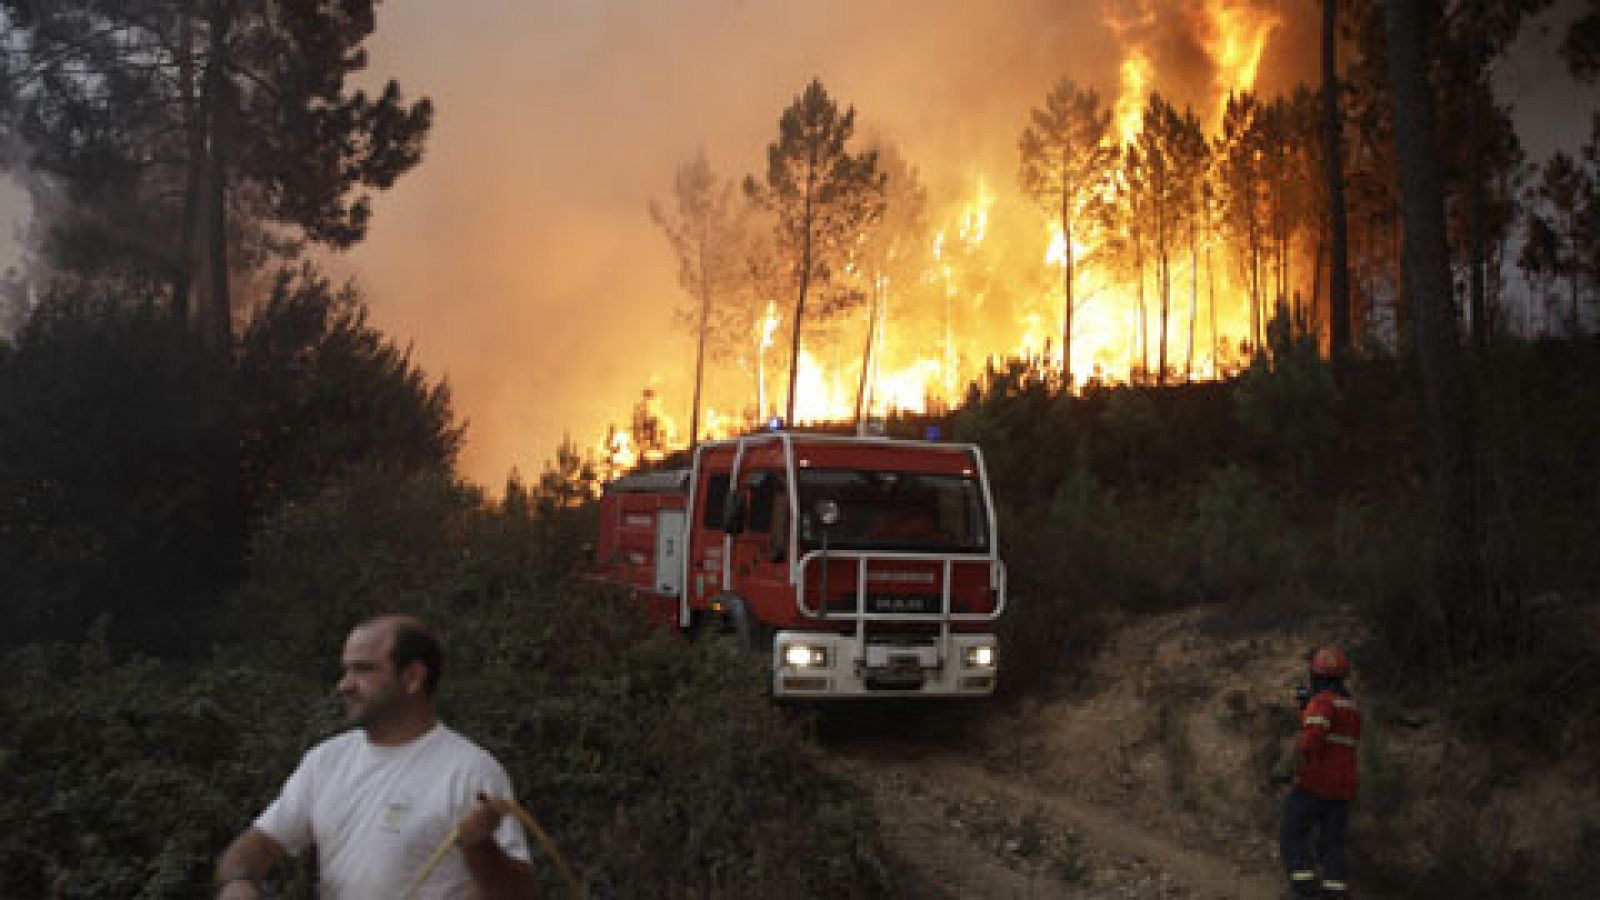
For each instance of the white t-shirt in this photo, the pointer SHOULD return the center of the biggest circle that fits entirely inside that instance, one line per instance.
(377, 814)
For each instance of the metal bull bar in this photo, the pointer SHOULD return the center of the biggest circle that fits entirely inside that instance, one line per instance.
(861, 616)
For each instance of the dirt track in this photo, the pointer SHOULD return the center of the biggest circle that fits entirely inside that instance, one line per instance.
(969, 828)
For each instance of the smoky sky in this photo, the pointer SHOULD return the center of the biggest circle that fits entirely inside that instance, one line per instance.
(519, 260)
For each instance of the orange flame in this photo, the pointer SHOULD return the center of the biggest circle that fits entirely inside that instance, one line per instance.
(1235, 42)
(990, 278)
(1136, 77)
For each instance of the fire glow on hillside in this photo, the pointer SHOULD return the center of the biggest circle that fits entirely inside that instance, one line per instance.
(987, 284)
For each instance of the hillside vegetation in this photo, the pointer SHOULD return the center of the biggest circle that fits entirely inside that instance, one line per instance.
(159, 702)
(1293, 505)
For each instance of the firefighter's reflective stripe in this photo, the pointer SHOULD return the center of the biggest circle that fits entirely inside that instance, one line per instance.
(1302, 875)
(1343, 739)
(1334, 887)
(1318, 720)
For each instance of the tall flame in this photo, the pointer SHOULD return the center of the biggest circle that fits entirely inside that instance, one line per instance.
(1235, 41)
(1136, 76)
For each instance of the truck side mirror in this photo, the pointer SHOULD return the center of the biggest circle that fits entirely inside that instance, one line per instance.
(733, 509)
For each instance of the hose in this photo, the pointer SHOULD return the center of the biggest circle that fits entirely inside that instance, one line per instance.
(574, 889)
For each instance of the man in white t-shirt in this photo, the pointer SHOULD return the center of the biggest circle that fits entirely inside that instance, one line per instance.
(378, 800)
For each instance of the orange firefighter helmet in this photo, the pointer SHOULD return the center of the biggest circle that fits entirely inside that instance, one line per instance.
(1330, 662)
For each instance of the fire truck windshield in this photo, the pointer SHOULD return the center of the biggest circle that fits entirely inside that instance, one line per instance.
(894, 511)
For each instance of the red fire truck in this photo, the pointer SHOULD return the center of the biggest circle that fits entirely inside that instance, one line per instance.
(860, 567)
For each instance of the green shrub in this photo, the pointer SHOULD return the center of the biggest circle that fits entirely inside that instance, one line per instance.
(109, 431)
(659, 766)
(1238, 534)
(126, 778)
(1288, 402)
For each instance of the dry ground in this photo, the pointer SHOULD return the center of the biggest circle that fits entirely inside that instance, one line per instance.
(1150, 777)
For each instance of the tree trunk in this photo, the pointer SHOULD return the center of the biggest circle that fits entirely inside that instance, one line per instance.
(1194, 300)
(1478, 207)
(217, 313)
(1163, 282)
(1339, 337)
(800, 303)
(1144, 312)
(1458, 582)
(194, 175)
(1066, 277)
(1255, 286)
(1319, 254)
(863, 405)
(700, 354)
(1211, 302)
(227, 490)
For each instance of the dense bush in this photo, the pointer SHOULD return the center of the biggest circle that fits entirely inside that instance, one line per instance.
(124, 777)
(126, 444)
(1288, 493)
(109, 424)
(322, 391)
(660, 767)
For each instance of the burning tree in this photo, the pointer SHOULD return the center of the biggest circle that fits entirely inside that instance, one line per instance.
(707, 232)
(822, 197)
(889, 256)
(1173, 150)
(1067, 158)
(1242, 193)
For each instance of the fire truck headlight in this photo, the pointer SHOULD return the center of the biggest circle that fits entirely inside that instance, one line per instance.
(979, 657)
(805, 656)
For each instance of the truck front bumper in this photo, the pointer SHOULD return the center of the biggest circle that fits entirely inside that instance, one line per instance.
(811, 664)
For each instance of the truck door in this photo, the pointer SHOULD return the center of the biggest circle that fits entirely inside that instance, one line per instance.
(761, 545)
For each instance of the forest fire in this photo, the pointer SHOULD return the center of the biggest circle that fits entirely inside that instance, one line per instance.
(1161, 292)
(1236, 41)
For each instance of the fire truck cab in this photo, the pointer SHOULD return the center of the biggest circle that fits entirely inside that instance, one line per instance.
(859, 567)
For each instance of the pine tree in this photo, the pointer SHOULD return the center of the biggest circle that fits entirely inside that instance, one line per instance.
(707, 232)
(169, 125)
(1172, 149)
(1242, 196)
(173, 126)
(1067, 156)
(822, 198)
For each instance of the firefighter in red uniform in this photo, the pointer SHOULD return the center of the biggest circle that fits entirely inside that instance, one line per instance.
(1317, 810)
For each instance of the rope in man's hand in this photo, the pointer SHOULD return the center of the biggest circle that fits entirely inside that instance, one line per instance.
(526, 818)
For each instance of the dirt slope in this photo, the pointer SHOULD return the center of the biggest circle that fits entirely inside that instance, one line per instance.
(972, 833)
(1150, 777)
(1147, 780)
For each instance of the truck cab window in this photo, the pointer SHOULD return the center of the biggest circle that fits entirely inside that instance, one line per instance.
(895, 511)
(716, 500)
(766, 490)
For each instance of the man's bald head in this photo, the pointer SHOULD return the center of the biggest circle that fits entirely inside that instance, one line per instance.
(410, 640)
